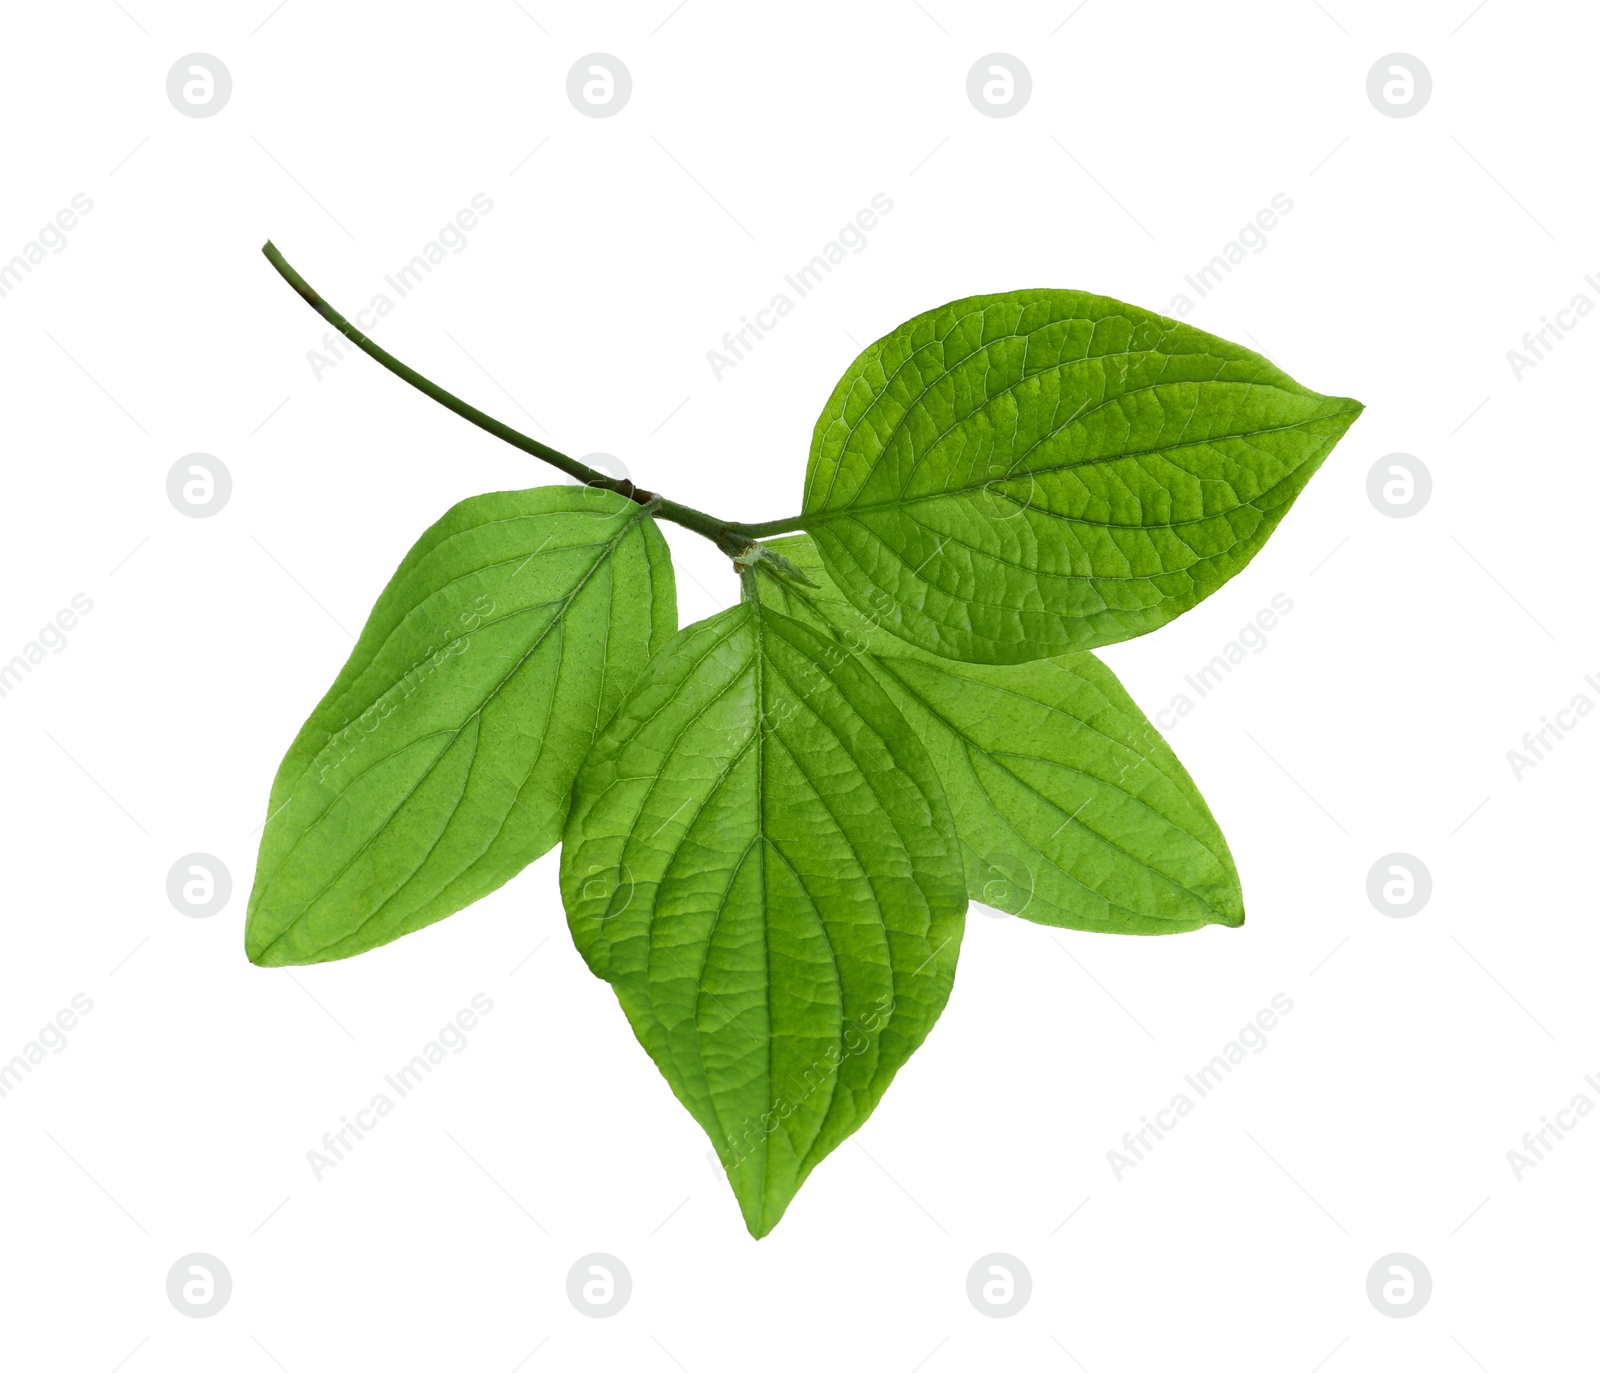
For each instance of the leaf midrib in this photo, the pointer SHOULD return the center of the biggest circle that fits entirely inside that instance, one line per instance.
(416, 569)
(811, 518)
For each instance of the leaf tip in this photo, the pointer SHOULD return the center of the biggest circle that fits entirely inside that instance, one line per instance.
(763, 1218)
(1227, 905)
(760, 1210)
(1349, 409)
(264, 953)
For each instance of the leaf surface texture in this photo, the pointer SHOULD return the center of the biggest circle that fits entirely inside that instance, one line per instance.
(761, 862)
(1024, 475)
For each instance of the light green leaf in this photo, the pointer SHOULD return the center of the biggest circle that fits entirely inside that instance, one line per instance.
(440, 763)
(1040, 472)
(761, 862)
(1072, 810)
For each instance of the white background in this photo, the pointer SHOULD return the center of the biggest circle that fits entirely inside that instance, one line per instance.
(1419, 1050)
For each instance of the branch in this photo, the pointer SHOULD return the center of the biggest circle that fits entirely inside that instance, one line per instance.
(724, 533)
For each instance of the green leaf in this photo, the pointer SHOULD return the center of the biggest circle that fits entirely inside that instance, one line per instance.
(440, 763)
(1040, 472)
(1072, 810)
(761, 862)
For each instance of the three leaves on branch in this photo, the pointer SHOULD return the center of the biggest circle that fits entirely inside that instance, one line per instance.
(772, 820)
